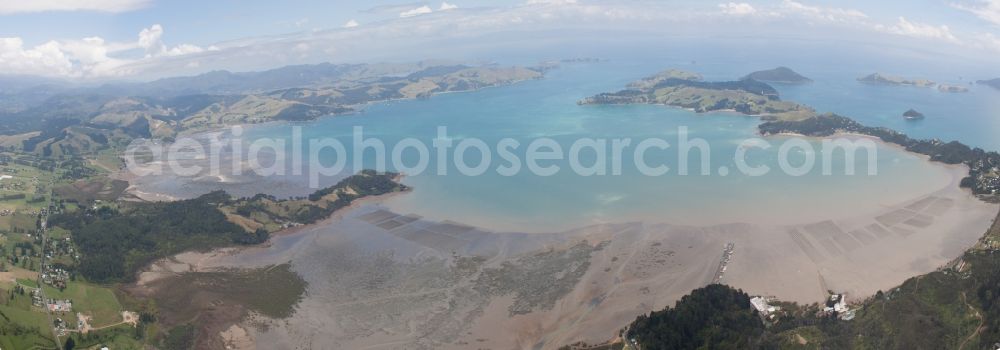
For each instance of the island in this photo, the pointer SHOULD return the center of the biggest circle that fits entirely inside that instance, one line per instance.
(781, 75)
(993, 83)
(687, 90)
(912, 114)
(878, 78)
(952, 88)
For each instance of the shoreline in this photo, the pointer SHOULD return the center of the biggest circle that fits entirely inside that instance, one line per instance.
(829, 272)
(196, 260)
(195, 132)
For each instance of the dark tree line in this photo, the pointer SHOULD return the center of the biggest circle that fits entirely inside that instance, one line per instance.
(712, 317)
(115, 245)
(980, 162)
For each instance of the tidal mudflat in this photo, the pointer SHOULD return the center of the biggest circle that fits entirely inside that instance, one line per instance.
(525, 262)
(380, 279)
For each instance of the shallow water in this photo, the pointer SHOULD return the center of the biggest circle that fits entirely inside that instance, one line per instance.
(547, 108)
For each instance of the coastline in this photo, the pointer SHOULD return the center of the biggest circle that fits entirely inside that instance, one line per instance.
(360, 109)
(763, 269)
(199, 261)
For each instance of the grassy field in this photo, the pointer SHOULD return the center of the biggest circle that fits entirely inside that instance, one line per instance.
(58, 233)
(117, 337)
(20, 222)
(98, 302)
(23, 327)
(27, 283)
(94, 189)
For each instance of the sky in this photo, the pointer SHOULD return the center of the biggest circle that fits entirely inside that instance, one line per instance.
(145, 39)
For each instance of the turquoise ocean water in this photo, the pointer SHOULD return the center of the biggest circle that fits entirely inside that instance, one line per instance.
(547, 108)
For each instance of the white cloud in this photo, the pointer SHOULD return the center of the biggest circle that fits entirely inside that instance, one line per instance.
(183, 49)
(446, 6)
(737, 9)
(88, 57)
(987, 10)
(920, 30)
(828, 14)
(422, 10)
(987, 41)
(151, 40)
(45, 59)
(551, 2)
(149, 56)
(28, 6)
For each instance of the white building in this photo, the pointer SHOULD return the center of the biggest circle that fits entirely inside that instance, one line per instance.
(760, 304)
(841, 304)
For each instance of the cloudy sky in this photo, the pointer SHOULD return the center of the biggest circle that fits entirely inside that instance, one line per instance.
(141, 39)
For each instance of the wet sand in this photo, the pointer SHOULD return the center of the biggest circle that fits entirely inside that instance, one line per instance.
(384, 280)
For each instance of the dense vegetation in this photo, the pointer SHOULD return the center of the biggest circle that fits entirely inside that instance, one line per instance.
(982, 178)
(114, 245)
(271, 213)
(712, 317)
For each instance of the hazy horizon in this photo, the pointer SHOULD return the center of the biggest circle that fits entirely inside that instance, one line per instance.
(136, 40)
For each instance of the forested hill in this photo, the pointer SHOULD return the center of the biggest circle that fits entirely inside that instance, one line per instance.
(712, 317)
(114, 244)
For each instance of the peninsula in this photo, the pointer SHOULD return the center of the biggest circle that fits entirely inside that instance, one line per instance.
(687, 90)
(984, 167)
(750, 97)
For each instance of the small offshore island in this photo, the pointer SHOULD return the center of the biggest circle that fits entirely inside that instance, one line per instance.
(781, 75)
(882, 79)
(879, 78)
(912, 114)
